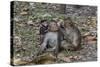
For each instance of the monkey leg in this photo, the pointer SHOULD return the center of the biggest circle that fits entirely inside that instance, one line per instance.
(64, 45)
(68, 46)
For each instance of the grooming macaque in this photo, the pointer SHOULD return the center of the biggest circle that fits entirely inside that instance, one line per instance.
(50, 42)
(71, 34)
(52, 39)
(43, 30)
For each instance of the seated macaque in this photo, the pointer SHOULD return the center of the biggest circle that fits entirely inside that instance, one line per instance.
(71, 34)
(50, 42)
(43, 30)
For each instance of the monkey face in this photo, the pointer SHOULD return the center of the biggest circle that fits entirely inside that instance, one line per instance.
(44, 23)
(67, 23)
(53, 26)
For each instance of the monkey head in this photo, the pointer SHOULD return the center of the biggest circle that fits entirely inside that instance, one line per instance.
(68, 22)
(53, 26)
(44, 22)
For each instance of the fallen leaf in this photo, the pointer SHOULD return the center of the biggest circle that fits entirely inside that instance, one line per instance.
(24, 13)
(65, 59)
(91, 42)
(90, 38)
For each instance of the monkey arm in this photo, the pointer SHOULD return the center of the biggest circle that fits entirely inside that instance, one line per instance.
(56, 49)
(41, 30)
(66, 36)
(43, 45)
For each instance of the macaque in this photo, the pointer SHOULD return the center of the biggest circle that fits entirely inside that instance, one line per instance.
(71, 34)
(43, 30)
(50, 42)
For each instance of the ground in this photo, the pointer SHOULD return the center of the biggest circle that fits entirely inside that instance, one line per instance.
(26, 21)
